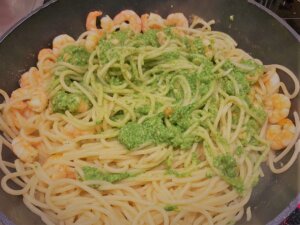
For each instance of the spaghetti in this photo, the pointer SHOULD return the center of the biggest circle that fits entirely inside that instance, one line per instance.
(145, 121)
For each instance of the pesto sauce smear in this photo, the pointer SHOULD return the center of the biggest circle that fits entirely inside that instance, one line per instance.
(75, 55)
(92, 173)
(178, 66)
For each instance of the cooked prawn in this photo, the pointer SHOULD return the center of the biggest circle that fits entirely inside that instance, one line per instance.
(281, 134)
(34, 99)
(24, 150)
(277, 106)
(107, 24)
(177, 20)
(61, 41)
(45, 52)
(38, 100)
(134, 21)
(152, 21)
(31, 78)
(17, 117)
(60, 171)
(91, 20)
(272, 82)
(18, 97)
(46, 61)
(92, 40)
(57, 170)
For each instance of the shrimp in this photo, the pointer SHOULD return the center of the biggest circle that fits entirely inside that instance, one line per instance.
(277, 106)
(27, 98)
(281, 134)
(91, 20)
(131, 17)
(271, 81)
(44, 53)
(178, 20)
(24, 150)
(92, 40)
(17, 118)
(58, 171)
(107, 24)
(38, 101)
(152, 21)
(46, 60)
(31, 78)
(19, 96)
(61, 41)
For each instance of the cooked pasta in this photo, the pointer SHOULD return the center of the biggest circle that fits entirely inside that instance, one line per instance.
(145, 120)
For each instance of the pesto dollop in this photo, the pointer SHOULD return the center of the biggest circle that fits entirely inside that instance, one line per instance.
(155, 131)
(92, 173)
(74, 103)
(75, 55)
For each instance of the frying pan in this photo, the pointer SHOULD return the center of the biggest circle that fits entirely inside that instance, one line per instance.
(255, 31)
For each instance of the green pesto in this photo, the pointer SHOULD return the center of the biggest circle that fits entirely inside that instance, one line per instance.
(212, 109)
(195, 158)
(259, 113)
(175, 173)
(227, 165)
(252, 127)
(106, 51)
(133, 135)
(205, 75)
(196, 46)
(228, 86)
(92, 173)
(168, 56)
(209, 174)
(169, 161)
(143, 110)
(257, 70)
(181, 116)
(240, 78)
(170, 208)
(63, 101)
(156, 129)
(239, 150)
(153, 130)
(114, 80)
(221, 140)
(148, 38)
(119, 37)
(75, 55)
(253, 141)
(236, 183)
(117, 116)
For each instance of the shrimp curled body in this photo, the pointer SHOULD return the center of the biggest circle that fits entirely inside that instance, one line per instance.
(272, 82)
(177, 20)
(24, 150)
(280, 135)
(134, 21)
(152, 21)
(91, 20)
(278, 107)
